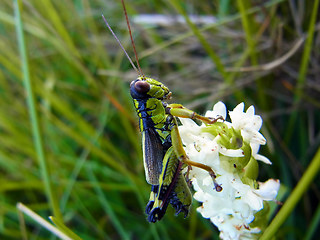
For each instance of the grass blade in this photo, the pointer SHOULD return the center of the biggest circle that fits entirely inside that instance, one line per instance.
(21, 207)
(36, 131)
(303, 69)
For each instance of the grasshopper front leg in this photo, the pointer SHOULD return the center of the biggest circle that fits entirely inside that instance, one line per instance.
(179, 110)
(177, 143)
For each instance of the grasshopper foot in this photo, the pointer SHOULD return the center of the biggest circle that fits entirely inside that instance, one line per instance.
(213, 120)
(217, 186)
(179, 206)
(156, 214)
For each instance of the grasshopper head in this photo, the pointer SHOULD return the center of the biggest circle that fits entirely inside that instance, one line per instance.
(143, 88)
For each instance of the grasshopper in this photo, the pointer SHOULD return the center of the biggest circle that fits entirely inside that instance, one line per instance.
(163, 153)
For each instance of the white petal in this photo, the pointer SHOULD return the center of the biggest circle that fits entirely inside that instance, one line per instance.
(220, 109)
(255, 202)
(254, 148)
(258, 138)
(199, 196)
(207, 181)
(256, 122)
(239, 107)
(269, 189)
(250, 110)
(262, 159)
(187, 122)
(231, 152)
(242, 208)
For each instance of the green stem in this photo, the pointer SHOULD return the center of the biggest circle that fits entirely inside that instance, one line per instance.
(36, 131)
(293, 199)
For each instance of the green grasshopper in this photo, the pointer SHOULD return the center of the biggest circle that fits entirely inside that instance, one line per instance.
(163, 153)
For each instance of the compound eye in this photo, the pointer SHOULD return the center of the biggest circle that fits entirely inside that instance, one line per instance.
(133, 82)
(142, 86)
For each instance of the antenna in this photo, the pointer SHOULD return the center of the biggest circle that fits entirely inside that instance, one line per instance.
(114, 35)
(133, 45)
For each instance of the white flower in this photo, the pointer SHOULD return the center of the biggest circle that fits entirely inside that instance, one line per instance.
(249, 124)
(229, 148)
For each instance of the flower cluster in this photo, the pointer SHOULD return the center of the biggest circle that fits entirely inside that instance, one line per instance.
(231, 150)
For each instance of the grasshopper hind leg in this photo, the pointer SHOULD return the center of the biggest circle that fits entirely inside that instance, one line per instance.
(182, 156)
(182, 198)
(172, 189)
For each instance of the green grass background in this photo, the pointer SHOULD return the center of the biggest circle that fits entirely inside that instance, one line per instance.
(69, 140)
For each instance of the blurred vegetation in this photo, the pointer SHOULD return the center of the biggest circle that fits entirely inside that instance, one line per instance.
(265, 53)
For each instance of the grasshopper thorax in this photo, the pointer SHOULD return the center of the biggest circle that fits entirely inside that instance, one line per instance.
(144, 88)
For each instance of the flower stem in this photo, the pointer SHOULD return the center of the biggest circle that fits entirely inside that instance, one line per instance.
(293, 199)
